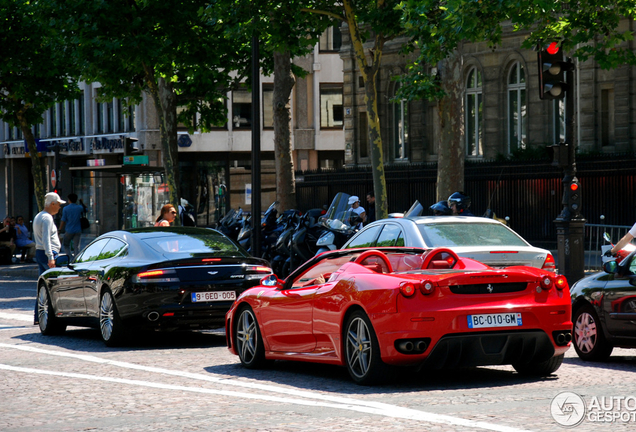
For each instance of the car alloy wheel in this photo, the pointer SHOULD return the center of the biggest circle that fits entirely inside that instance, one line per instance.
(589, 341)
(48, 322)
(110, 326)
(362, 350)
(249, 343)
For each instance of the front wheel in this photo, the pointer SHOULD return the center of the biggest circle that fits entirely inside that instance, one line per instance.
(362, 350)
(110, 326)
(48, 322)
(589, 341)
(541, 369)
(248, 340)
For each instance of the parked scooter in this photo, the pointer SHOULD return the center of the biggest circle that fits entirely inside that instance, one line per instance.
(231, 223)
(303, 241)
(268, 230)
(338, 224)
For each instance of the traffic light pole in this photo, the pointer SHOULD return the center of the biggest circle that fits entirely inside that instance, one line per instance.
(570, 225)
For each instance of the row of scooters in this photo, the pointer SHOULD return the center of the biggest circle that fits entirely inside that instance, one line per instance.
(290, 238)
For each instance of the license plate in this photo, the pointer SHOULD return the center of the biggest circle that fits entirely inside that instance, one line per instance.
(213, 296)
(495, 320)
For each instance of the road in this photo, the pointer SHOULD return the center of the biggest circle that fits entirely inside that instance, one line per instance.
(190, 382)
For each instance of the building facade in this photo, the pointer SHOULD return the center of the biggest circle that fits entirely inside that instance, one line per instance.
(503, 112)
(83, 142)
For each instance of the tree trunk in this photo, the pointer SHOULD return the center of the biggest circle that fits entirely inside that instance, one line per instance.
(369, 75)
(163, 95)
(283, 84)
(451, 152)
(37, 163)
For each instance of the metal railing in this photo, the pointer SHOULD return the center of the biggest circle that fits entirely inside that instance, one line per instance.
(594, 241)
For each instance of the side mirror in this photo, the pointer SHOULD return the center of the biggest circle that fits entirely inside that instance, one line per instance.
(62, 261)
(272, 281)
(610, 267)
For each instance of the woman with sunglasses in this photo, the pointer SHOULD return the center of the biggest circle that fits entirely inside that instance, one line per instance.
(167, 216)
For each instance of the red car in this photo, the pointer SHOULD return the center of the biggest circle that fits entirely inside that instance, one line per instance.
(367, 309)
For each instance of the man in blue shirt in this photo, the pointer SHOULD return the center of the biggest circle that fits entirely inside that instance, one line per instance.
(71, 215)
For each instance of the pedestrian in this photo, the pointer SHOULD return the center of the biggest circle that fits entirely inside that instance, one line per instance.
(167, 216)
(71, 226)
(47, 242)
(23, 241)
(356, 209)
(8, 235)
(370, 207)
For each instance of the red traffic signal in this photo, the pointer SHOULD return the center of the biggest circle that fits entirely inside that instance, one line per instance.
(552, 65)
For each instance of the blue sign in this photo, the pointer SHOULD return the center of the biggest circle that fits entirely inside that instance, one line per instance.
(184, 140)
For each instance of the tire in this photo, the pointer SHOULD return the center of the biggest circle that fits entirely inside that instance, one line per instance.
(111, 328)
(248, 340)
(589, 341)
(540, 369)
(49, 323)
(362, 351)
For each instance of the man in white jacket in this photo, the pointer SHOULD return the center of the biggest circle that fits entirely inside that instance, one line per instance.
(47, 242)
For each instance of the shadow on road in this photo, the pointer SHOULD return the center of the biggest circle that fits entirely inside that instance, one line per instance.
(310, 376)
(88, 340)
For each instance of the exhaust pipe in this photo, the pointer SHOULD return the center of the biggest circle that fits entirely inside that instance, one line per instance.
(568, 337)
(405, 346)
(153, 316)
(421, 346)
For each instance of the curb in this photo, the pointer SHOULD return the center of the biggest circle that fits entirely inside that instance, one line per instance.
(27, 271)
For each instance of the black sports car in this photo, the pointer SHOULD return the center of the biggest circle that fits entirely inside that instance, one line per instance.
(152, 278)
(604, 309)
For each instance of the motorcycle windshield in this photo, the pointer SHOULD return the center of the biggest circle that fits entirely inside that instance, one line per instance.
(338, 217)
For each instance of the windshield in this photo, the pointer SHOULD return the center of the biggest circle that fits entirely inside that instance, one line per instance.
(183, 245)
(469, 234)
(338, 217)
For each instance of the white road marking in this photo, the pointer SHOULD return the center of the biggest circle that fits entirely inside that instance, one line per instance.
(16, 317)
(370, 407)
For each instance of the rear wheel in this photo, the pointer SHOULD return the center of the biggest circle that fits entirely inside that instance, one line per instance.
(362, 350)
(589, 341)
(110, 326)
(543, 368)
(248, 340)
(48, 322)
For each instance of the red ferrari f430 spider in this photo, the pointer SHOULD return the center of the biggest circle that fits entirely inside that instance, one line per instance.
(371, 309)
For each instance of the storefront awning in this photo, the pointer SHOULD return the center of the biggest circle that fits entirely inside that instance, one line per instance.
(121, 169)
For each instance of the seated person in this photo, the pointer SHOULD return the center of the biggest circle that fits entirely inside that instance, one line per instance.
(23, 241)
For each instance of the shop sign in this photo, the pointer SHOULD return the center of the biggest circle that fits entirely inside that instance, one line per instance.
(73, 147)
(14, 150)
(101, 145)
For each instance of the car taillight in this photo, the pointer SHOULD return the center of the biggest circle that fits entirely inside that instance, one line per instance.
(549, 263)
(545, 282)
(561, 282)
(407, 289)
(427, 287)
(258, 269)
(154, 276)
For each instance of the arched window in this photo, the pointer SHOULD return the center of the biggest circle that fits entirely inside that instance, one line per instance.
(517, 109)
(400, 127)
(474, 112)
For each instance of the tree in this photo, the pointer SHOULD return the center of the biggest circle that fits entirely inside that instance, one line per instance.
(375, 21)
(34, 74)
(287, 33)
(439, 29)
(167, 48)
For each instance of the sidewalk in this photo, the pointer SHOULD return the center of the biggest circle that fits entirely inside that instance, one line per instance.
(26, 271)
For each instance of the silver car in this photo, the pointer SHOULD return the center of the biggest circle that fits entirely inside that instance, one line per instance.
(482, 239)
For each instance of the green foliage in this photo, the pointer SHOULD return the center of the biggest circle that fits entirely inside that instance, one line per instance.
(34, 71)
(128, 45)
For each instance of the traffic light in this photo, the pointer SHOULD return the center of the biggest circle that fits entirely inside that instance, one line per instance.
(572, 197)
(552, 68)
(131, 147)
